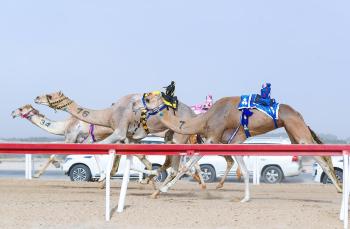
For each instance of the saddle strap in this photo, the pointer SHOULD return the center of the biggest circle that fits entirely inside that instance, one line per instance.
(246, 113)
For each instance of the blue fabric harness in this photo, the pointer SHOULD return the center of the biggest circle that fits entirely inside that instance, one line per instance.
(254, 101)
(153, 111)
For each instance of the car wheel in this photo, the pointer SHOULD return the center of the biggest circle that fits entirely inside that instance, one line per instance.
(162, 176)
(208, 173)
(80, 173)
(272, 175)
(338, 174)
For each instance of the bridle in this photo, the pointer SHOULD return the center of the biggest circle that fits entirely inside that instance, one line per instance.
(29, 114)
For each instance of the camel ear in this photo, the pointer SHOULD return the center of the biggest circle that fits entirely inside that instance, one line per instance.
(60, 93)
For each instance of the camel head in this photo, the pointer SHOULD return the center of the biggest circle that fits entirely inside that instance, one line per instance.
(55, 100)
(156, 99)
(25, 111)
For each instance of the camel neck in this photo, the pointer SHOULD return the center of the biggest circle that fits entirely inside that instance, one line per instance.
(53, 127)
(96, 117)
(183, 125)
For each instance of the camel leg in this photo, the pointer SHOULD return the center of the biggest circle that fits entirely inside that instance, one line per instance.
(239, 173)
(172, 171)
(238, 139)
(183, 171)
(98, 162)
(164, 167)
(198, 176)
(40, 172)
(245, 172)
(229, 163)
(148, 165)
(299, 133)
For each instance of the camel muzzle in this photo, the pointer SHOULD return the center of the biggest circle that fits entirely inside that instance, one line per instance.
(14, 114)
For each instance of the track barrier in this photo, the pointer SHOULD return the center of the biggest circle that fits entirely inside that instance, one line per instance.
(188, 150)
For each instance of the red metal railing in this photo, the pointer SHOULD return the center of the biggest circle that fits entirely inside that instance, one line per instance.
(234, 150)
(178, 149)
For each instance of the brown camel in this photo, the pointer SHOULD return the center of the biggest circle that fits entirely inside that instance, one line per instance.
(128, 119)
(224, 118)
(73, 129)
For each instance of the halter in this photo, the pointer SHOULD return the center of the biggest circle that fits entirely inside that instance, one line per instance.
(56, 104)
(28, 115)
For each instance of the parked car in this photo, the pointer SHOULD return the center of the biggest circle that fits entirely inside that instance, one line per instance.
(320, 176)
(85, 168)
(273, 169)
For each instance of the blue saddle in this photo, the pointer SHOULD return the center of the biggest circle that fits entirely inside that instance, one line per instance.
(268, 106)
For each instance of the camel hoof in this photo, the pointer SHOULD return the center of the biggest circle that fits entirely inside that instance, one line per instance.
(155, 195)
(219, 186)
(163, 189)
(203, 187)
(103, 185)
(102, 178)
(144, 182)
(245, 200)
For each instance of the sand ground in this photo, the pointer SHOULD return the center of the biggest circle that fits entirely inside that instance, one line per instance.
(63, 204)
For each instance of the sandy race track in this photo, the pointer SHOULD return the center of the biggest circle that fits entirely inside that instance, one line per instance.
(60, 204)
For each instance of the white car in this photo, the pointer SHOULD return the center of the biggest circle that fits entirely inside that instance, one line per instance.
(272, 168)
(320, 176)
(85, 168)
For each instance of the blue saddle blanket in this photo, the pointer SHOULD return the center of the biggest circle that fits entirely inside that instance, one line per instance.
(252, 102)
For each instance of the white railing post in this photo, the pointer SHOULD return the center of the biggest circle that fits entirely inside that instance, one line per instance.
(108, 184)
(344, 212)
(125, 182)
(28, 161)
(255, 170)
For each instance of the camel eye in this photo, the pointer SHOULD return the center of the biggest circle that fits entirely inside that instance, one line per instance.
(20, 109)
(49, 96)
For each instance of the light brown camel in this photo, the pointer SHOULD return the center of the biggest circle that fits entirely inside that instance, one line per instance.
(73, 130)
(218, 124)
(128, 119)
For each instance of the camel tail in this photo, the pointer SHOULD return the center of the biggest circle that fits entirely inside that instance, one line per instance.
(327, 159)
(315, 137)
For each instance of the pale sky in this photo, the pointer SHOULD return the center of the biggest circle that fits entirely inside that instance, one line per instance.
(98, 51)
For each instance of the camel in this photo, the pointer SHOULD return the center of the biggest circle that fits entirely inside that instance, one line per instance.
(73, 129)
(129, 119)
(222, 124)
(195, 139)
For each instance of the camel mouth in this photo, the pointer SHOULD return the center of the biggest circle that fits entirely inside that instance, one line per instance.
(14, 115)
(38, 101)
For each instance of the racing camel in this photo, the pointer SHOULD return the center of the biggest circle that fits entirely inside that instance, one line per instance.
(129, 119)
(73, 130)
(222, 124)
